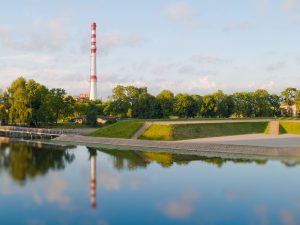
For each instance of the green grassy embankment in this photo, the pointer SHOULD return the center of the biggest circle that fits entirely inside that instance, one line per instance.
(190, 131)
(289, 128)
(121, 129)
(158, 132)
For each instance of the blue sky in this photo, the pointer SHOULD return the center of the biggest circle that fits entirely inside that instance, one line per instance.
(192, 46)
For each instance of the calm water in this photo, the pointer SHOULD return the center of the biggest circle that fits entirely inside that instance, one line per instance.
(52, 186)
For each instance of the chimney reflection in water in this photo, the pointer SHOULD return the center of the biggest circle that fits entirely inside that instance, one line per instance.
(93, 183)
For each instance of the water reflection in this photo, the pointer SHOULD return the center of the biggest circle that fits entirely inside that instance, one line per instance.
(24, 161)
(138, 187)
(132, 159)
(93, 175)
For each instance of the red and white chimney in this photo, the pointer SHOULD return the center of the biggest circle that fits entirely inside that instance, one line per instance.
(93, 181)
(93, 72)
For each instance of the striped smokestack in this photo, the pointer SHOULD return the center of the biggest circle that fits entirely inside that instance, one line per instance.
(93, 72)
(93, 181)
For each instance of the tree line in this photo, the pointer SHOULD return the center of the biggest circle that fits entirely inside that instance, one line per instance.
(31, 103)
(130, 101)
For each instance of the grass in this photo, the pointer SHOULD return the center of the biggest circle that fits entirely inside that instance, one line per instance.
(190, 131)
(289, 128)
(158, 132)
(121, 129)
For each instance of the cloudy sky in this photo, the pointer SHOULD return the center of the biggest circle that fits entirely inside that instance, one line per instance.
(192, 46)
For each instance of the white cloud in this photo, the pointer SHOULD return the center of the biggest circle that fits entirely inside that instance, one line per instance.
(288, 5)
(108, 180)
(201, 83)
(56, 191)
(135, 40)
(234, 195)
(297, 19)
(182, 13)
(42, 35)
(37, 198)
(206, 59)
(113, 39)
(236, 26)
(163, 69)
(261, 212)
(134, 182)
(287, 218)
(180, 208)
(275, 66)
(5, 185)
(263, 7)
(268, 86)
(110, 40)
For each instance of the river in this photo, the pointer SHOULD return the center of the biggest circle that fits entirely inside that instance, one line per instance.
(42, 184)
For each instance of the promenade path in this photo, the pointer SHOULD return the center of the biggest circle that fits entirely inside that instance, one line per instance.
(190, 146)
(209, 121)
(284, 140)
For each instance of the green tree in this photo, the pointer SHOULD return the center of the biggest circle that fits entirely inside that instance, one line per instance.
(165, 99)
(209, 106)
(23, 161)
(36, 94)
(198, 101)
(297, 100)
(92, 114)
(262, 107)
(243, 104)
(3, 108)
(80, 108)
(120, 102)
(185, 106)
(20, 111)
(288, 96)
(57, 106)
(145, 106)
(107, 108)
(224, 104)
(274, 101)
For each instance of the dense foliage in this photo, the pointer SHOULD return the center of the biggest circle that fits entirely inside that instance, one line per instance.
(28, 102)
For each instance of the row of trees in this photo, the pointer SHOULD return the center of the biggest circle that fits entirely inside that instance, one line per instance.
(28, 102)
(130, 101)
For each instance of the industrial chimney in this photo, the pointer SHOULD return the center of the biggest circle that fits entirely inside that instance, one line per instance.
(93, 72)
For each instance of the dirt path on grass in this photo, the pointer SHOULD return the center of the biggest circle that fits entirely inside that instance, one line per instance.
(141, 130)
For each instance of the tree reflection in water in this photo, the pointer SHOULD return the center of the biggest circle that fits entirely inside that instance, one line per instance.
(24, 161)
(132, 159)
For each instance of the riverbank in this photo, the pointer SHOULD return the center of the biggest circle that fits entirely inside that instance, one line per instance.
(188, 146)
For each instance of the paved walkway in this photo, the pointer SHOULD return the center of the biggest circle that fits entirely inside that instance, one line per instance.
(141, 130)
(181, 145)
(209, 121)
(285, 140)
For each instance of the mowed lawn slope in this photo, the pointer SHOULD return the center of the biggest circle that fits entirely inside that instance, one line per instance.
(190, 131)
(121, 129)
(289, 128)
(158, 132)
